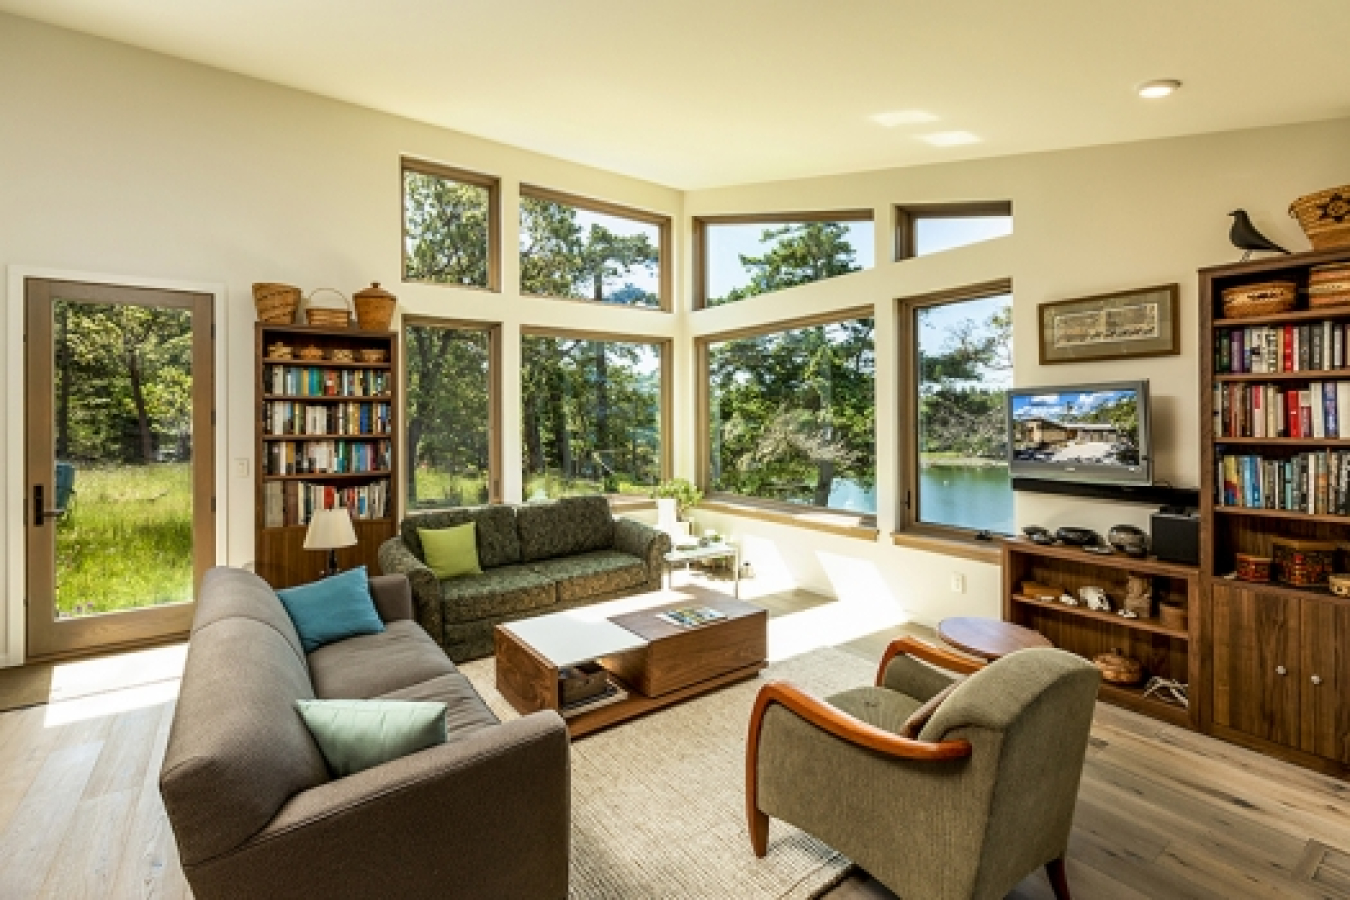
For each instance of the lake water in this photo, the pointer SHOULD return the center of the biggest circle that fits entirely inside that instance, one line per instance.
(962, 496)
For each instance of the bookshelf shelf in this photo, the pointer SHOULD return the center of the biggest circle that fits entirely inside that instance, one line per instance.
(1291, 514)
(383, 436)
(1283, 441)
(1306, 375)
(323, 364)
(1287, 318)
(324, 398)
(329, 476)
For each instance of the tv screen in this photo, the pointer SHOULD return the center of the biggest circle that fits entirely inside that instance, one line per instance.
(1087, 432)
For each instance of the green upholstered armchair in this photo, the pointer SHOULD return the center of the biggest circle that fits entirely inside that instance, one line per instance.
(939, 787)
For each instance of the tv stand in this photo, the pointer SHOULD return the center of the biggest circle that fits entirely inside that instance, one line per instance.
(1152, 495)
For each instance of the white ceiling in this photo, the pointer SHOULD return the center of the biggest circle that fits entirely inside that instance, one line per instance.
(701, 93)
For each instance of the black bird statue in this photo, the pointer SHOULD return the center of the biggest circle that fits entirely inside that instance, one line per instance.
(1244, 236)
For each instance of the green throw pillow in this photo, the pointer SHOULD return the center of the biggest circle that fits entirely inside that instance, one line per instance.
(451, 552)
(357, 734)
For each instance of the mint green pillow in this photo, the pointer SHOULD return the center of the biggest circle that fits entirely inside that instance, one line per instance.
(357, 734)
(451, 552)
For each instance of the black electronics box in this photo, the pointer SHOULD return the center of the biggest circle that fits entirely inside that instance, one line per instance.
(1176, 537)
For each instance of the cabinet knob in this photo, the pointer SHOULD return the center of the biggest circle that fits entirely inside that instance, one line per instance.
(1317, 679)
(1281, 670)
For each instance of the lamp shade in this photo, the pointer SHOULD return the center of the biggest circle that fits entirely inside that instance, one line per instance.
(329, 529)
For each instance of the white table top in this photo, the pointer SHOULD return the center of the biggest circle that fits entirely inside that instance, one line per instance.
(711, 552)
(575, 636)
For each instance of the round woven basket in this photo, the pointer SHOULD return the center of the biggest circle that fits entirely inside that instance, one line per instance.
(325, 316)
(1259, 299)
(1118, 668)
(1329, 286)
(1325, 217)
(276, 303)
(374, 308)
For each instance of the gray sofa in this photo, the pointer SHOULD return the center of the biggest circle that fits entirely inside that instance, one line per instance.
(256, 814)
(536, 558)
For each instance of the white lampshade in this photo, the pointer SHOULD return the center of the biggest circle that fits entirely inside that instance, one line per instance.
(329, 529)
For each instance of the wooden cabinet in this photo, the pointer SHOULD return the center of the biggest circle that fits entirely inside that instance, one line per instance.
(1255, 657)
(1324, 678)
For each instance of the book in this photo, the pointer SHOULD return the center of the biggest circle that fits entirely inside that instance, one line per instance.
(691, 616)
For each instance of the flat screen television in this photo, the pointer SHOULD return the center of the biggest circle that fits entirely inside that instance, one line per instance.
(1095, 433)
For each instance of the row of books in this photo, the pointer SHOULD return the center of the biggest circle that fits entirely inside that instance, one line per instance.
(1316, 483)
(310, 381)
(1320, 410)
(295, 502)
(1263, 349)
(326, 457)
(282, 417)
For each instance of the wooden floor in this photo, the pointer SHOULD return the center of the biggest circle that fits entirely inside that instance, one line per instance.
(1163, 813)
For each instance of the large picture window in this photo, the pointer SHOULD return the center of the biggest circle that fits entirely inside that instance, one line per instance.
(451, 414)
(580, 249)
(962, 369)
(921, 230)
(791, 415)
(450, 226)
(743, 256)
(592, 415)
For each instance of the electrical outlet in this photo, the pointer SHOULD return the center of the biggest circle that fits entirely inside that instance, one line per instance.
(241, 467)
(958, 583)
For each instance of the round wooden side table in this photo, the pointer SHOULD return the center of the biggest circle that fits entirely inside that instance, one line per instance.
(989, 638)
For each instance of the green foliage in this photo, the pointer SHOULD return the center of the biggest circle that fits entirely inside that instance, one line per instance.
(959, 416)
(685, 495)
(796, 254)
(446, 230)
(560, 258)
(447, 408)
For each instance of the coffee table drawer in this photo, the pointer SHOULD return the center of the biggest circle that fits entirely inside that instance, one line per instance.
(676, 661)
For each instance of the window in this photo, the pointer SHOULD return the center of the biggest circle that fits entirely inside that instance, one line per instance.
(592, 414)
(450, 226)
(580, 249)
(741, 256)
(962, 368)
(791, 415)
(921, 230)
(450, 398)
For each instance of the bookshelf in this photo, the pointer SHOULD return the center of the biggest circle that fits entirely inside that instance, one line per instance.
(325, 436)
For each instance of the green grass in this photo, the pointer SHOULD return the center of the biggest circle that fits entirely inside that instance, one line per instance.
(127, 540)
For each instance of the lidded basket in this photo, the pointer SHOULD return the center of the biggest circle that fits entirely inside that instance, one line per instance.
(1325, 217)
(374, 308)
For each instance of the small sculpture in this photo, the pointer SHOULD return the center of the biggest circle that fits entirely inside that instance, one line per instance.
(1095, 598)
(1138, 597)
(1068, 599)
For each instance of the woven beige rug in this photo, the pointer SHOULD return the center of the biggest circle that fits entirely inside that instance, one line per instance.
(658, 803)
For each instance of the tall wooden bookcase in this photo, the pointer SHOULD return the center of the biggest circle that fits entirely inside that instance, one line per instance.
(325, 434)
(1276, 666)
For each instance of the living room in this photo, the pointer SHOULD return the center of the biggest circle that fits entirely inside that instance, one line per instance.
(201, 152)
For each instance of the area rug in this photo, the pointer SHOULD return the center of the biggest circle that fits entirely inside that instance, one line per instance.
(658, 803)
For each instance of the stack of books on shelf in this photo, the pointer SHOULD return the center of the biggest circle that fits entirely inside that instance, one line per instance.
(1266, 349)
(311, 381)
(1316, 483)
(1319, 410)
(294, 502)
(327, 457)
(285, 417)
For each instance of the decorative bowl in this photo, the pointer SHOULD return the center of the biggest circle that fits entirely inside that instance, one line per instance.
(1077, 537)
(1129, 540)
(1118, 668)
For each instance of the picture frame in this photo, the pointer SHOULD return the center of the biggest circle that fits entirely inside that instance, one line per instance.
(1133, 324)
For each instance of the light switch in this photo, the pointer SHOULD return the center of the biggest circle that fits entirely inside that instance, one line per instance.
(241, 467)
(958, 583)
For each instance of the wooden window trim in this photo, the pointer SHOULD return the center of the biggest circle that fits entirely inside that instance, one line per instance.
(699, 235)
(665, 243)
(906, 214)
(463, 176)
(911, 531)
(850, 524)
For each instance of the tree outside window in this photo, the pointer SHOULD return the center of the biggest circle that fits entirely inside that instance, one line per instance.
(448, 226)
(741, 259)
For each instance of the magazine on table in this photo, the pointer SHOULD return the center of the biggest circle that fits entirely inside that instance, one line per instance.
(611, 694)
(691, 616)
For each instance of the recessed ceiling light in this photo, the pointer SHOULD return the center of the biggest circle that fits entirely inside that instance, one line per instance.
(903, 117)
(1163, 87)
(950, 138)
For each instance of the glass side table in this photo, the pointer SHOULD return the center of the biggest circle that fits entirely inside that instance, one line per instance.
(702, 554)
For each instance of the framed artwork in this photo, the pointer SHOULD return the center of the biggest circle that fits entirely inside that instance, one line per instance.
(1124, 325)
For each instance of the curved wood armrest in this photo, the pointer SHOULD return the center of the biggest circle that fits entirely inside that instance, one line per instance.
(943, 659)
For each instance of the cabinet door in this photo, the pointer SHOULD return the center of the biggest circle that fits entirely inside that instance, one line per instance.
(1324, 676)
(1255, 663)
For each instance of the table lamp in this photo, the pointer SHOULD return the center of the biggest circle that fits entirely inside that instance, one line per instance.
(330, 529)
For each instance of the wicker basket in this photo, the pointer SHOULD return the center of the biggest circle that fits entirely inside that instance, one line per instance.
(276, 303)
(1325, 217)
(1117, 668)
(374, 308)
(1329, 286)
(342, 355)
(328, 317)
(311, 353)
(1259, 299)
(373, 355)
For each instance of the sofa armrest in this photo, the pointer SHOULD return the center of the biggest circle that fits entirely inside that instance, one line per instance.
(642, 541)
(486, 816)
(393, 596)
(396, 558)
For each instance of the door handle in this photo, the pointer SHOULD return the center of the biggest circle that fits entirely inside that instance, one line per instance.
(40, 512)
(1317, 679)
(1281, 670)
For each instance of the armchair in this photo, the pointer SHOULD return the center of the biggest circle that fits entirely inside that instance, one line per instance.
(938, 787)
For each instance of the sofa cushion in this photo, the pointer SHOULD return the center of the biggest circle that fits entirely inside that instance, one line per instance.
(495, 527)
(228, 593)
(451, 552)
(497, 592)
(592, 574)
(332, 609)
(355, 735)
(881, 707)
(374, 664)
(564, 527)
(465, 711)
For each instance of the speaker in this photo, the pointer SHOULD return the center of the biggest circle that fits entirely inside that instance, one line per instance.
(1176, 537)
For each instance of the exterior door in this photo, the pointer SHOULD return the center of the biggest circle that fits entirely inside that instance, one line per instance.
(1325, 678)
(1256, 663)
(119, 463)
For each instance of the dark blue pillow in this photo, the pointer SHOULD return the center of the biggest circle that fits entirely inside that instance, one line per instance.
(333, 609)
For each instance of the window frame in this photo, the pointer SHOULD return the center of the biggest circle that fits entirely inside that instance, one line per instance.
(664, 278)
(907, 214)
(493, 330)
(700, 226)
(493, 185)
(908, 524)
(666, 347)
(845, 522)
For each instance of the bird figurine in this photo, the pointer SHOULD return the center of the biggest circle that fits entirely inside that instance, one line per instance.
(1244, 236)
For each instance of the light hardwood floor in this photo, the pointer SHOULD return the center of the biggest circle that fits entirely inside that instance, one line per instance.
(1163, 812)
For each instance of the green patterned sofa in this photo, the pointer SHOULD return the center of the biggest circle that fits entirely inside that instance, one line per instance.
(536, 558)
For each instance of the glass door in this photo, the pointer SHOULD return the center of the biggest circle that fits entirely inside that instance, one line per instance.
(119, 463)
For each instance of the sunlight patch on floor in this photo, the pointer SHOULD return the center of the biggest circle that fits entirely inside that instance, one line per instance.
(865, 606)
(107, 673)
(111, 703)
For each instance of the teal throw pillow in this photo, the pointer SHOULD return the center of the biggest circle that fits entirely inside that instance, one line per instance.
(333, 609)
(357, 734)
(451, 552)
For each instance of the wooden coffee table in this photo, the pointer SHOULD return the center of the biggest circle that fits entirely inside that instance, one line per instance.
(989, 639)
(656, 662)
